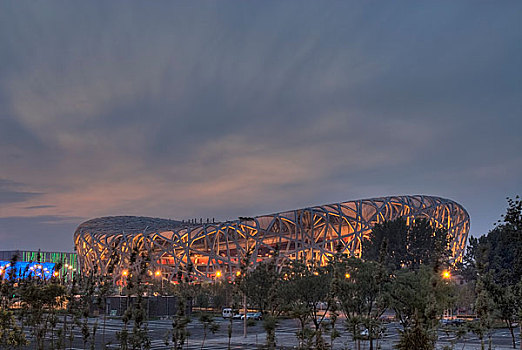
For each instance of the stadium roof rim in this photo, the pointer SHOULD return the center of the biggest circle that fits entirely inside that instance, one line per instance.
(142, 224)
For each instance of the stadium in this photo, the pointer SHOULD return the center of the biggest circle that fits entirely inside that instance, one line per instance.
(216, 250)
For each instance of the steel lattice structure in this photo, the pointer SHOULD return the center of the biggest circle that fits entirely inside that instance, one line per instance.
(310, 233)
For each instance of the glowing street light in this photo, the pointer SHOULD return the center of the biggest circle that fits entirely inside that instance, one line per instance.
(124, 272)
(218, 274)
(446, 274)
(158, 273)
(347, 275)
(238, 273)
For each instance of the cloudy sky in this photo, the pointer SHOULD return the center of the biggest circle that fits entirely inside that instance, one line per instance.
(224, 109)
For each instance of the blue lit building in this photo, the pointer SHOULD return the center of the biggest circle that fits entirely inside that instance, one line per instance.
(38, 264)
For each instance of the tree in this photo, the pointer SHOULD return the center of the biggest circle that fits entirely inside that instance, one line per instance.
(360, 287)
(135, 281)
(419, 298)
(183, 293)
(208, 325)
(262, 286)
(495, 262)
(307, 286)
(11, 334)
(419, 243)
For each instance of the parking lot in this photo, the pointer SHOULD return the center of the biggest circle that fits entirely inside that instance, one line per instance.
(285, 336)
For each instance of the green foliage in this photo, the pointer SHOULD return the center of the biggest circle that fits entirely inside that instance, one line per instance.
(184, 292)
(263, 287)
(420, 297)
(407, 245)
(269, 325)
(417, 338)
(11, 335)
(39, 300)
(307, 286)
(360, 288)
(138, 338)
(209, 324)
(494, 263)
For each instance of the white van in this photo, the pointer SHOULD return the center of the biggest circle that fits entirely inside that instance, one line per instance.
(227, 312)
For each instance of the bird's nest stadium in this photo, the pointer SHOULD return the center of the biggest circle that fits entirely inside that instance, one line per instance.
(216, 250)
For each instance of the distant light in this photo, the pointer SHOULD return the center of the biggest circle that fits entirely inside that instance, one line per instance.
(56, 273)
(238, 273)
(218, 274)
(347, 275)
(158, 273)
(124, 272)
(446, 274)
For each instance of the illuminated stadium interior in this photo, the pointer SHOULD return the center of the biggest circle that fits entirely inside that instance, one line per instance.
(215, 250)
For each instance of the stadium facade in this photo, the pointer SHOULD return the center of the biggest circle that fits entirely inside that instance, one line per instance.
(215, 250)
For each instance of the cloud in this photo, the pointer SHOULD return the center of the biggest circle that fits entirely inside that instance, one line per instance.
(10, 194)
(40, 206)
(183, 110)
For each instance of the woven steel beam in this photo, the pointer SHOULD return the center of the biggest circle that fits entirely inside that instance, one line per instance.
(311, 233)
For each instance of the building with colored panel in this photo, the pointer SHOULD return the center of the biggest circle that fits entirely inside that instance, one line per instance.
(24, 269)
(215, 250)
(69, 261)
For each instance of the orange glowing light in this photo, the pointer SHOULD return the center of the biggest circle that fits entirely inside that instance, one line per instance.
(238, 273)
(347, 275)
(124, 273)
(446, 274)
(218, 274)
(158, 273)
(56, 273)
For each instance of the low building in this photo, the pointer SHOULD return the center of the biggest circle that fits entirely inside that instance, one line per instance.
(30, 262)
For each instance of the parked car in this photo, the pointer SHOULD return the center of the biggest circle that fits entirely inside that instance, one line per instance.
(238, 317)
(323, 320)
(252, 316)
(451, 322)
(378, 332)
(227, 312)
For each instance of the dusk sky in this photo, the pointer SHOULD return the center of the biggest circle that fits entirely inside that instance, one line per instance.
(224, 109)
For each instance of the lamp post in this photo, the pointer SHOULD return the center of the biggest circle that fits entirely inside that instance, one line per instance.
(159, 275)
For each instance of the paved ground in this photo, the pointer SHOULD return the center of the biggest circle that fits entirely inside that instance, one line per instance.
(285, 337)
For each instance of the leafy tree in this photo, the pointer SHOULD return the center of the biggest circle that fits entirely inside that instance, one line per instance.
(39, 299)
(484, 308)
(407, 245)
(361, 289)
(494, 261)
(419, 298)
(180, 333)
(136, 312)
(263, 288)
(208, 325)
(307, 286)
(11, 334)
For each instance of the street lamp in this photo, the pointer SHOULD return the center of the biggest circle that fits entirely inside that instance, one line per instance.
(158, 275)
(446, 274)
(347, 275)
